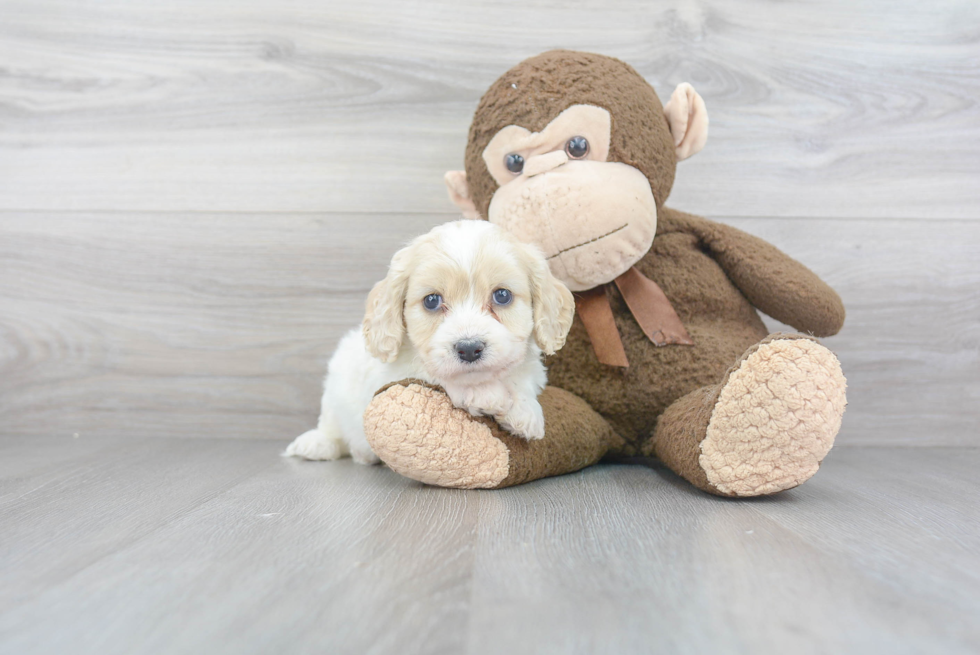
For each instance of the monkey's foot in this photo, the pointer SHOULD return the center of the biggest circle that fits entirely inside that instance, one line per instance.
(417, 432)
(768, 425)
(415, 429)
(775, 419)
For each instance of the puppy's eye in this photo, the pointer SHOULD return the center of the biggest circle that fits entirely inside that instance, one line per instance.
(502, 297)
(432, 302)
(577, 147)
(515, 163)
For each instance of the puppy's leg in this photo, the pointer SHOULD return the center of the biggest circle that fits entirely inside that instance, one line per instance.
(359, 448)
(323, 442)
(525, 418)
(517, 411)
(488, 399)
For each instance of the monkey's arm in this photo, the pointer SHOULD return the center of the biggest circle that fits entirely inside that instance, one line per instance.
(774, 282)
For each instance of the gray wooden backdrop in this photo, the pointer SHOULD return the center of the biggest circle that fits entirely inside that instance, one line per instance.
(195, 196)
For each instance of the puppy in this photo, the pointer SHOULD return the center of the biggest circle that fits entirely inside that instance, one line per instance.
(466, 307)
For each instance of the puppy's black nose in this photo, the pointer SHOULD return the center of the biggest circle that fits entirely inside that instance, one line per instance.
(469, 350)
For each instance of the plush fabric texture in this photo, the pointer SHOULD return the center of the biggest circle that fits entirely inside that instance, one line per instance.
(577, 204)
(765, 427)
(688, 120)
(679, 433)
(652, 310)
(775, 418)
(576, 437)
(593, 123)
(593, 311)
(412, 422)
(537, 90)
(696, 263)
(739, 413)
(647, 303)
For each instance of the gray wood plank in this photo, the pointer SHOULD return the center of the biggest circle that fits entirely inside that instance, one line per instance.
(937, 552)
(220, 324)
(296, 558)
(910, 346)
(818, 109)
(876, 554)
(23, 458)
(206, 325)
(622, 559)
(60, 520)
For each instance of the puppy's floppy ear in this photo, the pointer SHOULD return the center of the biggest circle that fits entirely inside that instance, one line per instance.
(384, 321)
(551, 301)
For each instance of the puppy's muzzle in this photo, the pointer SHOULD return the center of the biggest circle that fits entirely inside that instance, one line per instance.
(469, 350)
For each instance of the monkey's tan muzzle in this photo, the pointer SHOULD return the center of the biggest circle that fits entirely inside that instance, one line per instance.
(593, 220)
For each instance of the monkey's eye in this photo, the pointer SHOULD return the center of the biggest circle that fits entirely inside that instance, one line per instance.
(577, 147)
(515, 163)
(432, 302)
(502, 296)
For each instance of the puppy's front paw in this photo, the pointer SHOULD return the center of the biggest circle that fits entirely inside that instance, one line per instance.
(525, 419)
(316, 445)
(487, 400)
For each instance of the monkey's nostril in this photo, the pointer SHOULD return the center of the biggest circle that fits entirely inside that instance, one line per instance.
(469, 350)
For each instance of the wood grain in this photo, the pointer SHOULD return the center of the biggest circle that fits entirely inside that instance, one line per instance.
(910, 346)
(830, 109)
(629, 560)
(295, 556)
(876, 554)
(220, 325)
(190, 325)
(60, 519)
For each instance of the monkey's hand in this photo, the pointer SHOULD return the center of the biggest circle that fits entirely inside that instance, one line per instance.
(773, 281)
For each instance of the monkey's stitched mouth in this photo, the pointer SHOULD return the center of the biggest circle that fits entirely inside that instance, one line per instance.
(585, 243)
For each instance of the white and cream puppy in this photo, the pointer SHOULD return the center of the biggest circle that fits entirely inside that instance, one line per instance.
(466, 307)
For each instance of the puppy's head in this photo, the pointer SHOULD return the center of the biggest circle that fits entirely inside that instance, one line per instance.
(470, 298)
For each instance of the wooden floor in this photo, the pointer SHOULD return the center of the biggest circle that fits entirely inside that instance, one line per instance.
(136, 545)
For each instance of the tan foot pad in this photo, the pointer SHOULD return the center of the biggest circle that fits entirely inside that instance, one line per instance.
(418, 433)
(775, 419)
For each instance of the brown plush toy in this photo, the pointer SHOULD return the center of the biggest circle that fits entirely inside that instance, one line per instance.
(667, 355)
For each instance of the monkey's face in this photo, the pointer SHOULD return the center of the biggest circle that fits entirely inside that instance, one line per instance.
(584, 187)
(592, 218)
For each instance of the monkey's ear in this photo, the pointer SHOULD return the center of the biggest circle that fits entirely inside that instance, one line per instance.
(688, 120)
(459, 193)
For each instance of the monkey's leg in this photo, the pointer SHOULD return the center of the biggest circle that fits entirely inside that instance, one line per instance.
(415, 429)
(764, 428)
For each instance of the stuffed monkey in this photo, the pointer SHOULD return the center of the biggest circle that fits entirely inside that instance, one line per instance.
(667, 356)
